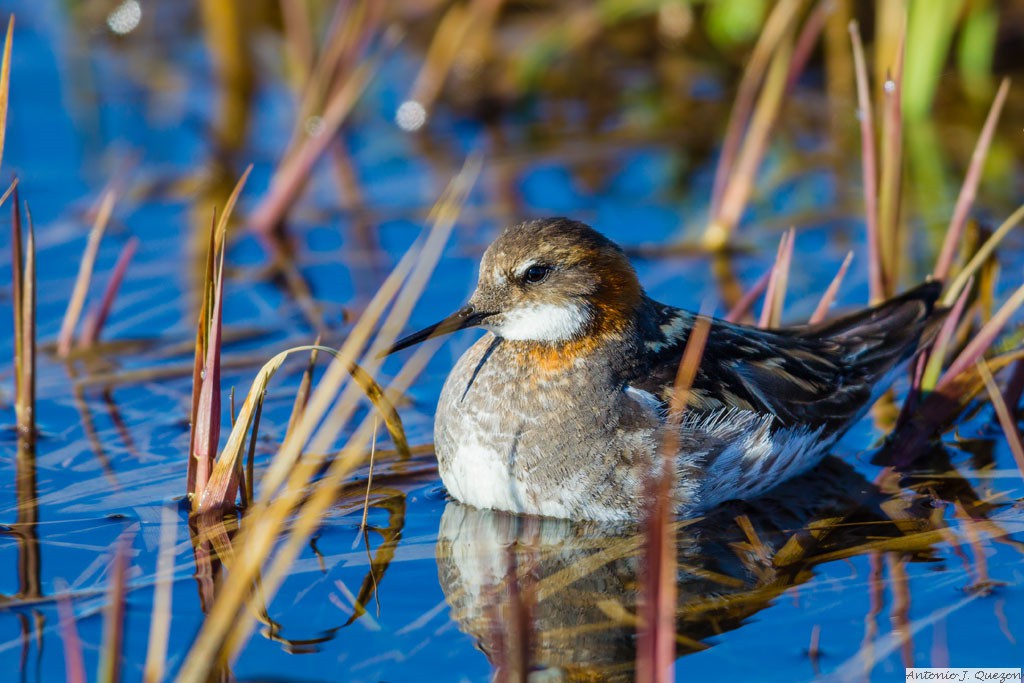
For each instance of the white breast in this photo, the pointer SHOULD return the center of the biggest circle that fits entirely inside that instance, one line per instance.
(477, 474)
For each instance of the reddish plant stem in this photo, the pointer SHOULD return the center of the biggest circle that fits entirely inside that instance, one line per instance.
(746, 302)
(830, 294)
(969, 190)
(96, 321)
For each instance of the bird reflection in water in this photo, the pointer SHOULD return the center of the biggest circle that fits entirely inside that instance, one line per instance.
(558, 598)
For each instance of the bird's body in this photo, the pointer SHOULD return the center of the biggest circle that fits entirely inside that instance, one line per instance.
(561, 410)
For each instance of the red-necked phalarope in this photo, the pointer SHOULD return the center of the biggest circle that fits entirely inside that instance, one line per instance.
(560, 409)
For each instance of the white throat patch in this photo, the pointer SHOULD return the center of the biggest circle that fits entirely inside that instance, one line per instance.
(542, 322)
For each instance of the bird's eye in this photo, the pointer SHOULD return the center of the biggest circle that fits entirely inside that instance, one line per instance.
(535, 274)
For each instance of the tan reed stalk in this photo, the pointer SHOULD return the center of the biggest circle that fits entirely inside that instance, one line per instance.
(97, 319)
(821, 311)
(969, 189)
(740, 184)
(876, 275)
(65, 337)
(775, 295)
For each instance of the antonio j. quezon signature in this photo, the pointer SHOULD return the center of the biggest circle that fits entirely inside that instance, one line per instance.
(987, 675)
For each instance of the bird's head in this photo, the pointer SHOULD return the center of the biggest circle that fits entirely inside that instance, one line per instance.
(549, 281)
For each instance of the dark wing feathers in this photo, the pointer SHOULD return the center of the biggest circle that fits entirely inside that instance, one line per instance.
(815, 375)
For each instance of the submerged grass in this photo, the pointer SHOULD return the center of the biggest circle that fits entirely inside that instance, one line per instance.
(160, 622)
(114, 612)
(74, 666)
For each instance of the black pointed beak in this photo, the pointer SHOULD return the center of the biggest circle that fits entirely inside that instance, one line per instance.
(467, 316)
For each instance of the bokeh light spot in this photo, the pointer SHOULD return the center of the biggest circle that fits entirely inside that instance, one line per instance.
(411, 116)
(125, 18)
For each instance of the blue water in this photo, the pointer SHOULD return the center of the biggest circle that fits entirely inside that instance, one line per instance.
(111, 454)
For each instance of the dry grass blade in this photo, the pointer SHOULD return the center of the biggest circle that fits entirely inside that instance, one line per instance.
(112, 650)
(890, 180)
(808, 40)
(220, 490)
(250, 460)
(981, 342)
(160, 623)
(876, 278)
(464, 29)
(67, 328)
(392, 421)
(1006, 419)
(740, 184)
(98, 318)
(291, 176)
(5, 83)
(937, 353)
(229, 207)
(205, 434)
(228, 626)
(208, 417)
(369, 484)
(830, 294)
(23, 291)
(656, 638)
(8, 192)
(324, 496)
(298, 33)
(302, 395)
(17, 301)
(443, 216)
(334, 375)
(775, 27)
(969, 190)
(199, 359)
(775, 295)
(27, 401)
(350, 30)
(981, 256)
(746, 302)
(74, 665)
